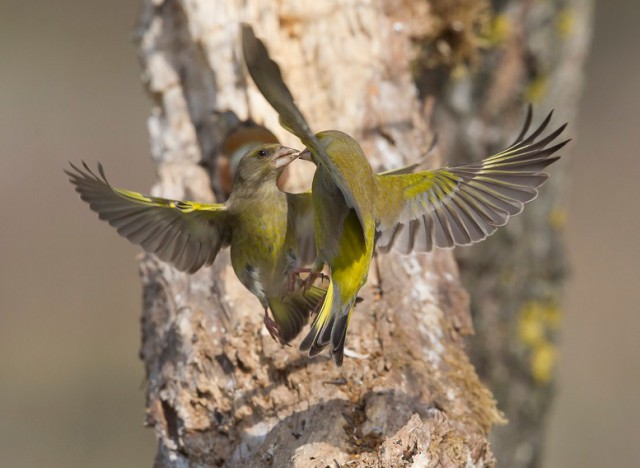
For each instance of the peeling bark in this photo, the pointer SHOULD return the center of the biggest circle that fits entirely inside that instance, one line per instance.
(221, 391)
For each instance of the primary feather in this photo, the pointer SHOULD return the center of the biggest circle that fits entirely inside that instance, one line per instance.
(184, 233)
(464, 204)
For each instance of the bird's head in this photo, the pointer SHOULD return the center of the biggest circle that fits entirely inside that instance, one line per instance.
(339, 146)
(263, 163)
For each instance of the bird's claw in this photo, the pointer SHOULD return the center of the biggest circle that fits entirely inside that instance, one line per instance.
(296, 279)
(273, 329)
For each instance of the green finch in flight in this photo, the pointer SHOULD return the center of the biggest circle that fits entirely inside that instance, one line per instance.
(269, 231)
(356, 209)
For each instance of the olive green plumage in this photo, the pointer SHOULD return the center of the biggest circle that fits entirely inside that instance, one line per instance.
(269, 231)
(355, 209)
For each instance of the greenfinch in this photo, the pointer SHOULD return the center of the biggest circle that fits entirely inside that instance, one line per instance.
(269, 231)
(356, 209)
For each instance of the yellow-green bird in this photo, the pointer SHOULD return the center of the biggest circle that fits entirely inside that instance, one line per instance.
(356, 209)
(269, 231)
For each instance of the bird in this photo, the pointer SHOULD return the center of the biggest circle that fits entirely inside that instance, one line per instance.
(357, 210)
(269, 231)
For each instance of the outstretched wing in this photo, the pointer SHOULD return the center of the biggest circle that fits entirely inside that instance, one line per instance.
(464, 204)
(183, 233)
(268, 78)
(301, 222)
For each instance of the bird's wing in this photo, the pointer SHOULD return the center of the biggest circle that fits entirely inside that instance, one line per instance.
(183, 233)
(301, 222)
(268, 78)
(464, 204)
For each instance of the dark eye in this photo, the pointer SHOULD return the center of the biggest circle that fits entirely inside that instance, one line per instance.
(263, 153)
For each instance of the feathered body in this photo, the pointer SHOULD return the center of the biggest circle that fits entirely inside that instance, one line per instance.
(355, 208)
(259, 238)
(345, 235)
(264, 227)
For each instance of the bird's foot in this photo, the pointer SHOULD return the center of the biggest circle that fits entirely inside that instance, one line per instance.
(296, 279)
(273, 329)
(272, 326)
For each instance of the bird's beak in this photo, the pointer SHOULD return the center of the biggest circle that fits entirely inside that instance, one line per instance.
(305, 155)
(284, 156)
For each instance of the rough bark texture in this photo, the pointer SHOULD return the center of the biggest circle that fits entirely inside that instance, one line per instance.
(515, 278)
(221, 391)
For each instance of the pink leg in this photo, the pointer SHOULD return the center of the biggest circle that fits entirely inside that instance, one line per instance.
(272, 326)
(306, 283)
(273, 329)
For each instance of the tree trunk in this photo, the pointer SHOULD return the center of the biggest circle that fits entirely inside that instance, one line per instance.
(220, 390)
(515, 278)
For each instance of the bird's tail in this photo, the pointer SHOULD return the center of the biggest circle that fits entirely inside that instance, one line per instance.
(292, 311)
(330, 325)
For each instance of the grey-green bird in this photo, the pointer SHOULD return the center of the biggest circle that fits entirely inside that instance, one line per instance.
(269, 231)
(355, 209)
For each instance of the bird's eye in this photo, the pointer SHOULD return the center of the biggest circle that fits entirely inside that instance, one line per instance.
(263, 153)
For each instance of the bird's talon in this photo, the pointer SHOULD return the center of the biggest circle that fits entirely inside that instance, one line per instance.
(295, 278)
(272, 328)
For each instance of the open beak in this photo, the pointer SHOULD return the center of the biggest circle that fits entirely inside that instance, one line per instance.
(305, 155)
(284, 156)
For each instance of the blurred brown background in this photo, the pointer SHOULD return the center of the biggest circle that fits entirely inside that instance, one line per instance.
(70, 380)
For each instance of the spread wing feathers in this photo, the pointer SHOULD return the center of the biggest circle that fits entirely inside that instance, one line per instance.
(301, 222)
(465, 204)
(186, 234)
(268, 78)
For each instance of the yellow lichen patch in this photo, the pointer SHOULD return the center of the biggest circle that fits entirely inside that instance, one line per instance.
(536, 89)
(530, 327)
(543, 361)
(500, 30)
(565, 23)
(557, 218)
(551, 316)
(536, 322)
(459, 72)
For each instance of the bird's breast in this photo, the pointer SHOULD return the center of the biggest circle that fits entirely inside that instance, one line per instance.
(259, 248)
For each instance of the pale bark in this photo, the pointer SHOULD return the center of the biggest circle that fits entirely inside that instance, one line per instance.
(220, 390)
